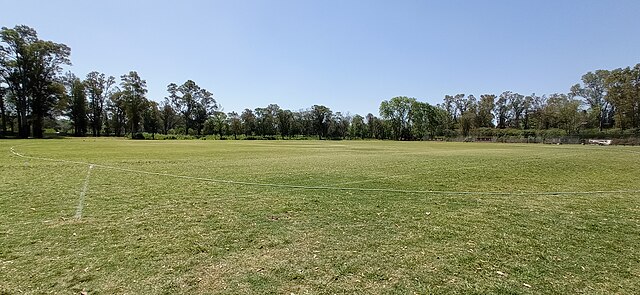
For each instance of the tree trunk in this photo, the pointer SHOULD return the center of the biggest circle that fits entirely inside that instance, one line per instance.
(95, 127)
(4, 117)
(37, 126)
(23, 126)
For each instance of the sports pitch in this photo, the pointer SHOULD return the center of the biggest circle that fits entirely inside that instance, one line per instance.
(114, 216)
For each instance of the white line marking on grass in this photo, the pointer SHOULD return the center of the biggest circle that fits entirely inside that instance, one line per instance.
(293, 186)
(372, 179)
(83, 193)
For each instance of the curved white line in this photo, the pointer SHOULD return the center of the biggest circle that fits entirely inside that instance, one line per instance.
(83, 193)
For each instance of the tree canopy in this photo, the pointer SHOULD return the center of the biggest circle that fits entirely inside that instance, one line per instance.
(34, 93)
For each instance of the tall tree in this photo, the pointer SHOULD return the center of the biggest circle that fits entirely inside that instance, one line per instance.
(468, 114)
(99, 88)
(194, 104)
(421, 117)
(77, 109)
(516, 107)
(116, 110)
(266, 122)
(151, 118)
(235, 124)
(563, 112)
(502, 109)
(31, 69)
(285, 122)
(249, 122)
(220, 123)
(397, 111)
(134, 90)
(358, 127)
(339, 125)
(537, 115)
(623, 91)
(321, 117)
(485, 110)
(528, 108)
(594, 91)
(371, 132)
(168, 116)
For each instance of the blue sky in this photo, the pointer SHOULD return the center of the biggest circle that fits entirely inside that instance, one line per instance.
(348, 55)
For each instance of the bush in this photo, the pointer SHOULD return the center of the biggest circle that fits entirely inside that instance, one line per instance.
(484, 132)
(138, 136)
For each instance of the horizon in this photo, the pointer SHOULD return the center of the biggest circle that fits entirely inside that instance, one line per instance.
(346, 56)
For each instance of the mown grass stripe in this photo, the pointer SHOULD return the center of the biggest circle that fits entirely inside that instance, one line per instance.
(293, 186)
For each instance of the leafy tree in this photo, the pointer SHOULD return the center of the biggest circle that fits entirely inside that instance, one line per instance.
(358, 127)
(468, 108)
(485, 111)
(77, 105)
(397, 111)
(99, 88)
(371, 125)
(219, 120)
(378, 128)
(193, 103)
(30, 67)
(285, 122)
(594, 91)
(516, 106)
(265, 121)
(116, 110)
(563, 112)
(209, 127)
(501, 109)
(151, 118)
(339, 125)
(168, 116)
(303, 123)
(249, 122)
(321, 118)
(528, 105)
(623, 92)
(235, 124)
(449, 104)
(420, 119)
(134, 90)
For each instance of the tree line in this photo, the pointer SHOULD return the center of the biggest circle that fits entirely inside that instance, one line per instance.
(35, 94)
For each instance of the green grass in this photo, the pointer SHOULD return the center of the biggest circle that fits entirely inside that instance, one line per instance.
(150, 234)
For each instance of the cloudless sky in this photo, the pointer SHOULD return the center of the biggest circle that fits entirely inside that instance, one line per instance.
(346, 54)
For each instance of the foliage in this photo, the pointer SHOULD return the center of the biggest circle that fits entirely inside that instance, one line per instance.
(398, 110)
(134, 90)
(99, 87)
(195, 104)
(77, 104)
(31, 67)
(32, 94)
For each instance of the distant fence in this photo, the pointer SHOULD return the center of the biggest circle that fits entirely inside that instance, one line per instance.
(514, 139)
(546, 140)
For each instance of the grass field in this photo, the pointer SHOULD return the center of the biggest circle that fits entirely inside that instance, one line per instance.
(166, 226)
